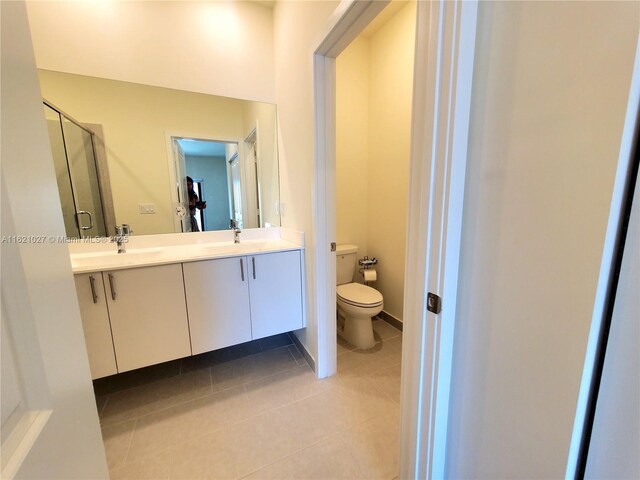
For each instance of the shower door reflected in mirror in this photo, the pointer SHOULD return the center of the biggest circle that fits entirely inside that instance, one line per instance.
(74, 160)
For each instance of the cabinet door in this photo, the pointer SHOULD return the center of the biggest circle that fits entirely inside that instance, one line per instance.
(148, 315)
(95, 323)
(275, 288)
(217, 294)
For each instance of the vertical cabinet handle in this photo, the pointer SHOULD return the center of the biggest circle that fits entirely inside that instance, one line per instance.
(242, 269)
(253, 261)
(113, 287)
(92, 282)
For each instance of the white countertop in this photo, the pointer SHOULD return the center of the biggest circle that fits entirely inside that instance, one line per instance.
(104, 257)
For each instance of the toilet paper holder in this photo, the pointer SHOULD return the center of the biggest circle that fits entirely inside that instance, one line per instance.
(367, 262)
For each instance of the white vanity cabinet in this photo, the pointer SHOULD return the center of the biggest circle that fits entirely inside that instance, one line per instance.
(144, 315)
(217, 294)
(234, 300)
(95, 323)
(148, 315)
(275, 286)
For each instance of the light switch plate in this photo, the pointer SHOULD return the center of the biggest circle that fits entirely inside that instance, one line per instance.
(147, 208)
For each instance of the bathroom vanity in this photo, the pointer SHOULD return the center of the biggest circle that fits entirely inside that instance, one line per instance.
(171, 296)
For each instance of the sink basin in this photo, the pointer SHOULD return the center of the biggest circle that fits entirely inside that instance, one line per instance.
(229, 248)
(113, 258)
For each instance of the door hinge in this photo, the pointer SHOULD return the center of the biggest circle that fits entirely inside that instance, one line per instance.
(434, 303)
(333, 246)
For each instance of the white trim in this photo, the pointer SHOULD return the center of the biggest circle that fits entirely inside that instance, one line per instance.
(19, 442)
(606, 264)
(445, 50)
(349, 19)
(442, 102)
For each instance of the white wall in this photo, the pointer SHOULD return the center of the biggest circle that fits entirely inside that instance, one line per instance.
(374, 85)
(551, 83)
(38, 293)
(615, 441)
(220, 48)
(299, 27)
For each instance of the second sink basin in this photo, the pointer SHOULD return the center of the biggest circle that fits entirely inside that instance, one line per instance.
(110, 258)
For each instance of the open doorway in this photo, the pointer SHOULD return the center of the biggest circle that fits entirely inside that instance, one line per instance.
(213, 182)
(445, 48)
(374, 85)
(209, 199)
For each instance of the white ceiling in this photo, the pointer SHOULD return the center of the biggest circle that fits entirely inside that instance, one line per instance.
(202, 148)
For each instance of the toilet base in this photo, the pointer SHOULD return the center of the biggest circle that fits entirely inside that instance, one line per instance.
(358, 331)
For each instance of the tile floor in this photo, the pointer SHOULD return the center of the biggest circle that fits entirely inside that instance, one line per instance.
(257, 411)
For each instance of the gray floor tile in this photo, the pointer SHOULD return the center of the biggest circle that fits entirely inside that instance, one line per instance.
(136, 378)
(275, 341)
(206, 360)
(259, 413)
(177, 425)
(298, 356)
(132, 403)
(385, 330)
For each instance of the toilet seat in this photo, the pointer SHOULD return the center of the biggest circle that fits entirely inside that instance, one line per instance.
(359, 295)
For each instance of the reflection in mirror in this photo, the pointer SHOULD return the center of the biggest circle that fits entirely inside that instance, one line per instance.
(72, 147)
(209, 184)
(146, 132)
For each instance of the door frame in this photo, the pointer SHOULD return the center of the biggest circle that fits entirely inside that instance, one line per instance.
(445, 51)
(173, 181)
(604, 300)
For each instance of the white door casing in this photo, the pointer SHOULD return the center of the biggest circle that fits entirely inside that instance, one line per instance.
(349, 19)
(623, 171)
(443, 76)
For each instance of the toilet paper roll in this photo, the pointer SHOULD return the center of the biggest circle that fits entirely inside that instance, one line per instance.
(370, 275)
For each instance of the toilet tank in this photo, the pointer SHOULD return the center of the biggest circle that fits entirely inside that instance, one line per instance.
(345, 263)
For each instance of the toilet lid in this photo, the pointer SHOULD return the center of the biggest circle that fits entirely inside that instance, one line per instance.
(359, 295)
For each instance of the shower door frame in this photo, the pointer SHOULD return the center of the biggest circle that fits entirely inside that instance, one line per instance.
(98, 168)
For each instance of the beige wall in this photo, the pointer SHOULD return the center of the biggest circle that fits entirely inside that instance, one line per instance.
(298, 29)
(374, 94)
(352, 145)
(390, 95)
(136, 119)
(551, 82)
(219, 48)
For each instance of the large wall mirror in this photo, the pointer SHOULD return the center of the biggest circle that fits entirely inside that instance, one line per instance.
(159, 159)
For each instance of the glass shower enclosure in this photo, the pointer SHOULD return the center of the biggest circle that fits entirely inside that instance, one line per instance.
(74, 158)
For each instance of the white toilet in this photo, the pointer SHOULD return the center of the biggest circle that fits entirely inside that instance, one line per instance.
(357, 303)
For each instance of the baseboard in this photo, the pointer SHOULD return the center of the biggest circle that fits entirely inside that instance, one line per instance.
(391, 320)
(303, 350)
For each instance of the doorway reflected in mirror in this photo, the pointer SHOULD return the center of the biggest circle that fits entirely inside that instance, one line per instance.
(209, 183)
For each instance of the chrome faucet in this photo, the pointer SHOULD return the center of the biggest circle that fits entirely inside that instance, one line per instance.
(122, 233)
(236, 231)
